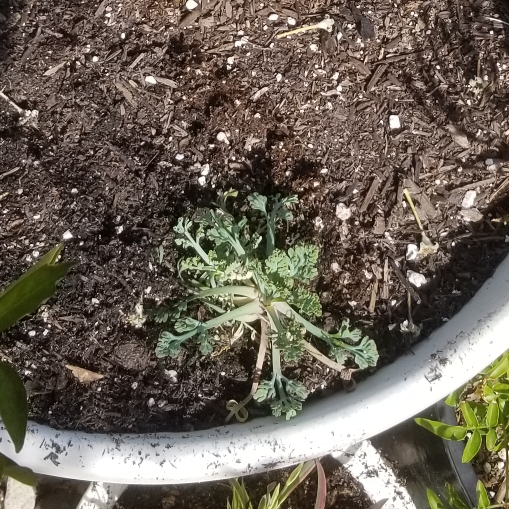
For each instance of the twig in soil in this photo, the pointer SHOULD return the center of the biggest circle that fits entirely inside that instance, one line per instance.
(19, 111)
(325, 24)
(412, 207)
(404, 281)
(497, 20)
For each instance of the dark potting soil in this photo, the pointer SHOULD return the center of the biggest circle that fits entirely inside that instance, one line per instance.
(342, 491)
(130, 98)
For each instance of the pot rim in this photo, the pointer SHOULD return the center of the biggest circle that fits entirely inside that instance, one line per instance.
(452, 355)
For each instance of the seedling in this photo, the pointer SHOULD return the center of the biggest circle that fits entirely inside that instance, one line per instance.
(484, 407)
(241, 278)
(276, 495)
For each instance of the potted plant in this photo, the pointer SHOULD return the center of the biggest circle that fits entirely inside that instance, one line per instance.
(447, 359)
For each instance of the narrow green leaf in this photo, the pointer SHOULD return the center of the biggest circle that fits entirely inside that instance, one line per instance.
(499, 367)
(492, 415)
(483, 501)
(491, 440)
(433, 500)
(29, 292)
(468, 414)
(21, 474)
(13, 405)
(296, 477)
(49, 258)
(454, 499)
(501, 388)
(442, 430)
(472, 447)
(454, 398)
(489, 395)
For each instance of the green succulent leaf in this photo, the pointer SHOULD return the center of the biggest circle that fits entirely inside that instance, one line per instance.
(12, 469)
(492, 415)
(13, 405)
(491, 440)
(32, 289)
(483, 500)
(472, 446)
(468, 414)
(442, 430)
(433, 500)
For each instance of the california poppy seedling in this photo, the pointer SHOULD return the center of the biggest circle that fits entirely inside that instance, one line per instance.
(240, 276)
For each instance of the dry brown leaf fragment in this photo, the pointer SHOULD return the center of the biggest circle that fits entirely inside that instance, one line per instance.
(84, 375)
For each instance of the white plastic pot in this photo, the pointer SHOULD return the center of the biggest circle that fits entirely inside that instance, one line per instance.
(448, 358)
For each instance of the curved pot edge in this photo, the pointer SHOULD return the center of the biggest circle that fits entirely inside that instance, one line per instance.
(448, 358)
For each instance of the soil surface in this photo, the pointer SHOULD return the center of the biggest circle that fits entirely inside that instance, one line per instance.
(122, 104)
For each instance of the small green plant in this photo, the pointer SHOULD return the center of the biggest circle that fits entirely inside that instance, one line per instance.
(276, 495)
(454, 500)
(485, 414)
(484, 408)
(241, 277)
(19, 299)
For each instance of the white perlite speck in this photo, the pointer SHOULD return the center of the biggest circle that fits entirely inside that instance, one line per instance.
(273, 17)
(416, 279)
(412, 252)
(335, 267)
(471, 215)
(343, 212)
(67, 235)
(468, 200)
(202, 180)
(221, 137)
(394, 122)
(150, 80)
(191, 5)
(291, 21)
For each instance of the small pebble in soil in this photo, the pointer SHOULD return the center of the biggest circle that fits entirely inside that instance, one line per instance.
(291, 21)
(335, 267)
(191, 5)
(94, 301)
(468, 200)
(179, 157)
(172, 375)
(343, 212)
(279, 77)
(119, 229)
(394, 122)
(415, 278)
(134, 385)
(221, 137)
(313, 47)
(273, 17)
(74, 191)
(202, 180)
(67, 235)
(150, 80)
(205, 170)
(471, 215)
(31, 333)
(151, 402)
(412, 251)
